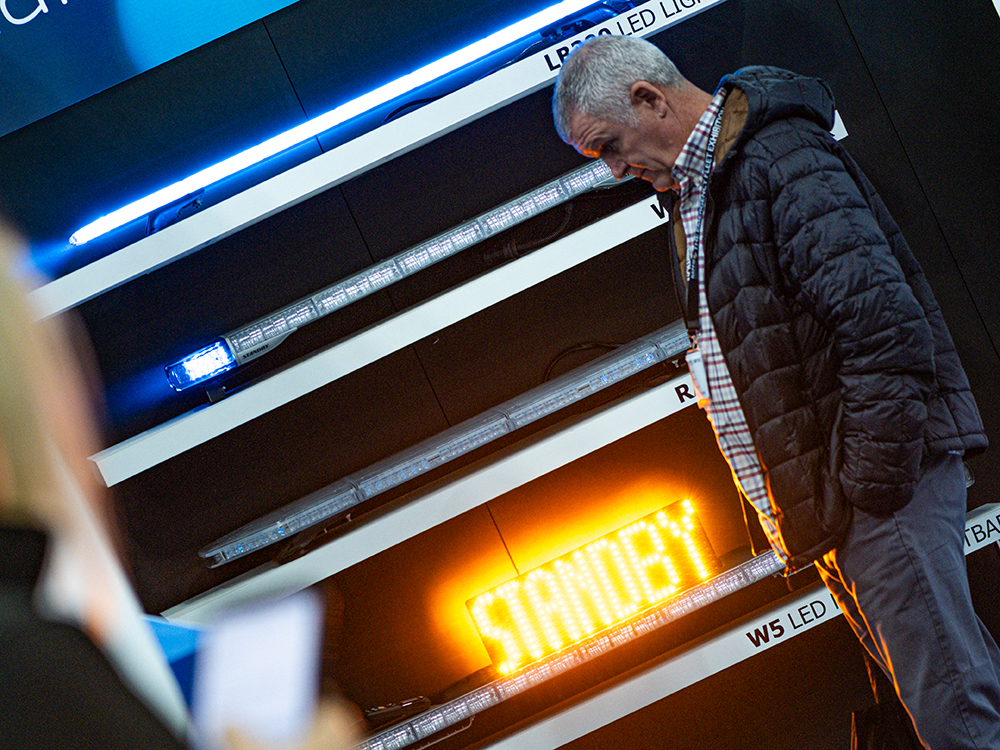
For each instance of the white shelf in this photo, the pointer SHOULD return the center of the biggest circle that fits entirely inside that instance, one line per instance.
(161, 443)
(690, 664)
(341, 164)
(440, 502)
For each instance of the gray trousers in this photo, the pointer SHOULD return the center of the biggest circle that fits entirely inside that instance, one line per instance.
(901, 583)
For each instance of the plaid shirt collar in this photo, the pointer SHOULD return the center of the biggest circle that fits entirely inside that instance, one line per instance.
(690, 162)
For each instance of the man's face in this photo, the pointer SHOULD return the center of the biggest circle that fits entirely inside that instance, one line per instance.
(647, 150)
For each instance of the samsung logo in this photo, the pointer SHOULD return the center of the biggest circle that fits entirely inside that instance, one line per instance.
(23, 12)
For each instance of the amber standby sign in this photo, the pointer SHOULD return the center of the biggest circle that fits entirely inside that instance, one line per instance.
(596, 587)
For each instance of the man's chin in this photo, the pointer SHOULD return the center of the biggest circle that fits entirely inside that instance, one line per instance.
(661, 182)
(660, 179)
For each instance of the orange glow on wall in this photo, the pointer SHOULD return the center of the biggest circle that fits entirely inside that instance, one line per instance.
(593, 588)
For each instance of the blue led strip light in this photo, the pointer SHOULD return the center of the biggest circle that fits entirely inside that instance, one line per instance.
(322, 123)
(661, 346)
(431, 722)
(262, 335)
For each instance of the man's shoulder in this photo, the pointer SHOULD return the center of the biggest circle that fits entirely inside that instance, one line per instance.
(773, 103)
(782, 138)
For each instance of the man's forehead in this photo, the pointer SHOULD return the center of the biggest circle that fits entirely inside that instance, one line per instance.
(586, 133)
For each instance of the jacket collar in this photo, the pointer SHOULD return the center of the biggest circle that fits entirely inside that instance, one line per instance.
(734, 118)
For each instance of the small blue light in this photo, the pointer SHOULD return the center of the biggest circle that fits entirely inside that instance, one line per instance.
(203, 365)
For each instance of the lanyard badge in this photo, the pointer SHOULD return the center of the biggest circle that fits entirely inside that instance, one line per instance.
(699, 375)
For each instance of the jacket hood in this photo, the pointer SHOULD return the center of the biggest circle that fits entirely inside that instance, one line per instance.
(776, 94)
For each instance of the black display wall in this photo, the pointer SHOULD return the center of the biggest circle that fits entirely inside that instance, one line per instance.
(916, 88)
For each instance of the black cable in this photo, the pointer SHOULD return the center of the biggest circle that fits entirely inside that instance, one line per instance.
(407, 105)
(512, 249)
(586, 346)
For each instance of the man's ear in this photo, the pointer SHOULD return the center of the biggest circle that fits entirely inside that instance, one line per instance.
(648, 94)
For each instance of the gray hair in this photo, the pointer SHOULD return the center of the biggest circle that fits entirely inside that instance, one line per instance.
(596, 79)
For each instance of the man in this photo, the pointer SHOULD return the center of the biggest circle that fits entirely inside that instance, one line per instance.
(819, 354)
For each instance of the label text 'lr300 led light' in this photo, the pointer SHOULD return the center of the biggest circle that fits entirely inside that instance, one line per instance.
(594, 587)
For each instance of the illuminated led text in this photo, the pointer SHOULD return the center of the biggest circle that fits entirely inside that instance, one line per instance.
(593, 588)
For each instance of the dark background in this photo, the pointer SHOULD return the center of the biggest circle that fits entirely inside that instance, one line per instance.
(917, 88)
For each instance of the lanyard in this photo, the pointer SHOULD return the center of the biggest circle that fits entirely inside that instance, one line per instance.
(694, 244)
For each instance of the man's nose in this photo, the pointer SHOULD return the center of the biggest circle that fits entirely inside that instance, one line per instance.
(618, 167)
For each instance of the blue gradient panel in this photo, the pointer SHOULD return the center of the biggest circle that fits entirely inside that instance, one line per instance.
(56, 53)
(156, 32)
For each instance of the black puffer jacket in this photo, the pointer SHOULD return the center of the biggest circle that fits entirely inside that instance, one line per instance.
(836, 345)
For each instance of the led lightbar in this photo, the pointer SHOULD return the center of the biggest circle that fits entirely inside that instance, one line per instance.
(322, 123)
(556, 394)
(262, 335)
(441, 717)
(593, 588)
